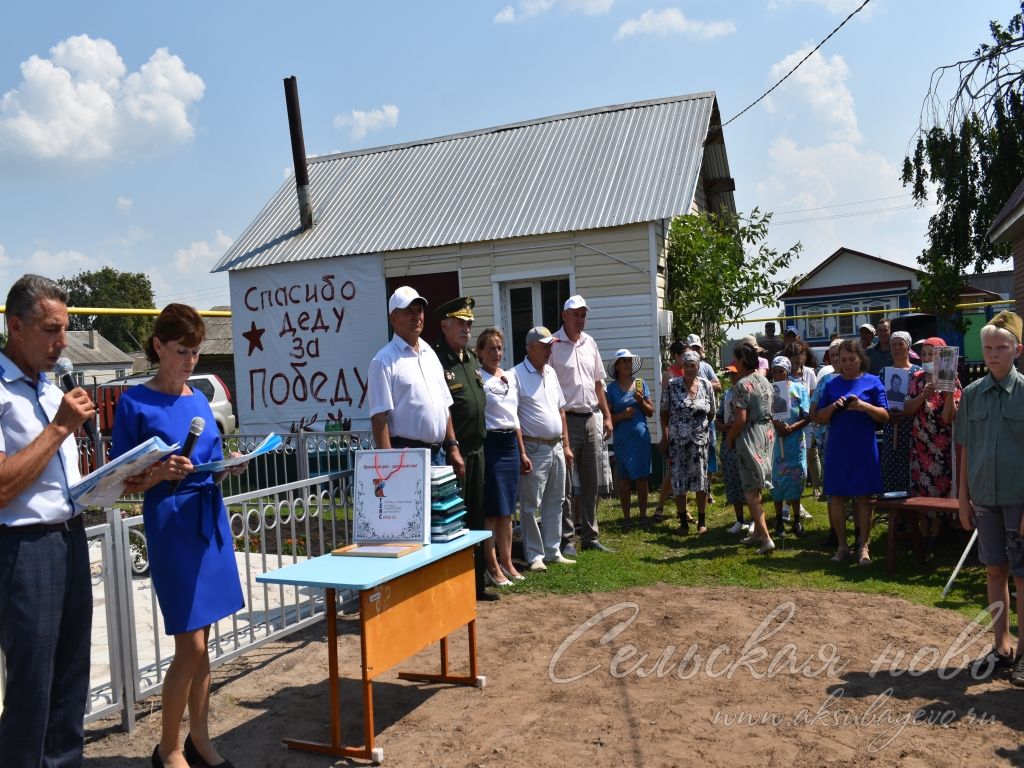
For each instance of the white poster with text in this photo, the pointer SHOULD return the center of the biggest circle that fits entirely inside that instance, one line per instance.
(304, 335)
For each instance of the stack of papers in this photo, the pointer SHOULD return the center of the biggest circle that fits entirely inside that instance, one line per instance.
(106, 485)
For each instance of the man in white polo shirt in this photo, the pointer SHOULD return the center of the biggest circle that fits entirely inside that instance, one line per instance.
(409, 399)
(542, 421)
(577, 362)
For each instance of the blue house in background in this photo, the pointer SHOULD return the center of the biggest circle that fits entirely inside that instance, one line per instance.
(852, 281)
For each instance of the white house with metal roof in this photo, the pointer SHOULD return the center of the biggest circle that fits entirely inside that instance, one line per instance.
(519, 217)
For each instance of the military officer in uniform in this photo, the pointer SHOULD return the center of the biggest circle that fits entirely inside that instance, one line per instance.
(460, 365)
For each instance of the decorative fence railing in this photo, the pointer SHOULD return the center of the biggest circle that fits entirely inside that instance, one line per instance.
(289, 505)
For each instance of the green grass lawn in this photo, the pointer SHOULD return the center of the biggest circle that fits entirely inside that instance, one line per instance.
(716, 558)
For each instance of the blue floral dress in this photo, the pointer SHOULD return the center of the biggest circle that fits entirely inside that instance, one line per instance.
(632, 437)
(789, 465)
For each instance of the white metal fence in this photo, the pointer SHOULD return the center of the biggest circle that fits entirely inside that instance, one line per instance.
(290, 504)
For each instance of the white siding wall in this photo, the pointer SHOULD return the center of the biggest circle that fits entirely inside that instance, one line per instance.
(849, 268)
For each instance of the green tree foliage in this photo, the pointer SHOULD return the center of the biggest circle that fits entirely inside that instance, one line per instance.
(970, 150)
(108, 287)
(718, 265)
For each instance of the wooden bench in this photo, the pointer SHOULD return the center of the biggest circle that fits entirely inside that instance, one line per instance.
(908, 511)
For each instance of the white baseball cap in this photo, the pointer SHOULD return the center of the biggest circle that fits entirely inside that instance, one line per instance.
(403, 297)
(575, 302)
(693, 340)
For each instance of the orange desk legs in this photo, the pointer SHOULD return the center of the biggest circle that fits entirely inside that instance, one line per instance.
(397, 620)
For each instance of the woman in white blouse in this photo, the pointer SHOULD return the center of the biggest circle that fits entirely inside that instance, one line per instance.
(504, 456)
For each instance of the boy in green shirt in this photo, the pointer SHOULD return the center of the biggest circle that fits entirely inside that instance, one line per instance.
(990, 427)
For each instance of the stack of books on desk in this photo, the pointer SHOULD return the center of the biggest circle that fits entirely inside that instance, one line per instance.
(446, 506)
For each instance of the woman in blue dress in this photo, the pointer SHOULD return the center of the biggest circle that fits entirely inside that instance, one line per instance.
(789, 462)
(852, 404)
(188, 537)
(630, 403)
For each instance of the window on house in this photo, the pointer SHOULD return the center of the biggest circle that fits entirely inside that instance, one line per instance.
(845, 322)
(815, 325)
(875, 313)
(528, 303)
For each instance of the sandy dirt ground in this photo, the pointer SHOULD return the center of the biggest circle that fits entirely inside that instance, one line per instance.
(660, 676)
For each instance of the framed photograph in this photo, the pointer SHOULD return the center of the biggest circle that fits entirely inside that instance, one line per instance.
(896, 383)
(780, 400)
(392, 497)
(946, 359)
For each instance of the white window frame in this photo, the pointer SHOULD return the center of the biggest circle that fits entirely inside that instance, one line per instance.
(501, 283)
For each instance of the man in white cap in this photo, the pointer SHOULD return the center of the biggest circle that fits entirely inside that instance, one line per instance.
(577, 361)
(409, 399)
(867, 335)
(545, 438)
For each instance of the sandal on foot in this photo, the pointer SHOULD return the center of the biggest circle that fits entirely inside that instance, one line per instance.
(841, 554)
(863, 556)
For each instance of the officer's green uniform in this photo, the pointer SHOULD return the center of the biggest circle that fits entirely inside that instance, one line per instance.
(467, 410)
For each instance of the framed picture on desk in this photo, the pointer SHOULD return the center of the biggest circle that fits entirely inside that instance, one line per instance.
(392, 497)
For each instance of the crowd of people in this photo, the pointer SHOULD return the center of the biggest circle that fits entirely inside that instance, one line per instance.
(532, 437)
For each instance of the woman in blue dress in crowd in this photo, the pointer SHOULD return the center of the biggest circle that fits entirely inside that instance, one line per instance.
(852, 404)
(188, 537)
(789, 463)
(630, 403)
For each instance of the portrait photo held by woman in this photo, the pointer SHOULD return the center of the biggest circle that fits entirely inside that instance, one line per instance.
(629, 400)
(894, 449)
(852, 404)
(188, 536)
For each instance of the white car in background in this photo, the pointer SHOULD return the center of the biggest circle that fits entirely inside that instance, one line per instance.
(209, 384)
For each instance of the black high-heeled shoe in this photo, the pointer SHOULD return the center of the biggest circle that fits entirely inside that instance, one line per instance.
(195, 759)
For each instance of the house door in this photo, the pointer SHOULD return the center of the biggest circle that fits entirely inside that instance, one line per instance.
(528, 303)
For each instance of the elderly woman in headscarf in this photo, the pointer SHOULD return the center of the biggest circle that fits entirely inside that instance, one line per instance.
(687, 412)
(894, 450)
(789, 463)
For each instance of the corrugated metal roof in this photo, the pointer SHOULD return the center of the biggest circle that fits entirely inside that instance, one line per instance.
(598, 168)
(218, 339)
(82, 354)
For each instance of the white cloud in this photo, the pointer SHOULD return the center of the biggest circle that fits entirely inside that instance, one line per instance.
(671, 21)
(835, 174)
(525, 9)
(361, 123)
(62, 263)
(201, 255)
(81, 104)
(821, 83)
(124, 204)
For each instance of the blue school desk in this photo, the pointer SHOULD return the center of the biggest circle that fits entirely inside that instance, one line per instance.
(405, 604)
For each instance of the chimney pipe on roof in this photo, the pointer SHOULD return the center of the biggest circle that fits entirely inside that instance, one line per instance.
(291, 97)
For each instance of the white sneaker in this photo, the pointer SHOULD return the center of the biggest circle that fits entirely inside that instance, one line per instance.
(537, 564)
(766, 547)
(804, 513)
(751, 528)
(738, 526)
(560, 559)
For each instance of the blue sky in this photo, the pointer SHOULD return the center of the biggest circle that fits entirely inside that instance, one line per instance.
(147, 136)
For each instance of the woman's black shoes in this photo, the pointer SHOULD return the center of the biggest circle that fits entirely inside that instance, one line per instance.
(157, 762)
(194, 758)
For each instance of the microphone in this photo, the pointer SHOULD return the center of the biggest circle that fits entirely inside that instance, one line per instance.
(195, 429)
(63, 370)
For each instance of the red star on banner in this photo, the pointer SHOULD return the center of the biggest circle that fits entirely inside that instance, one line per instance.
(255, 338)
